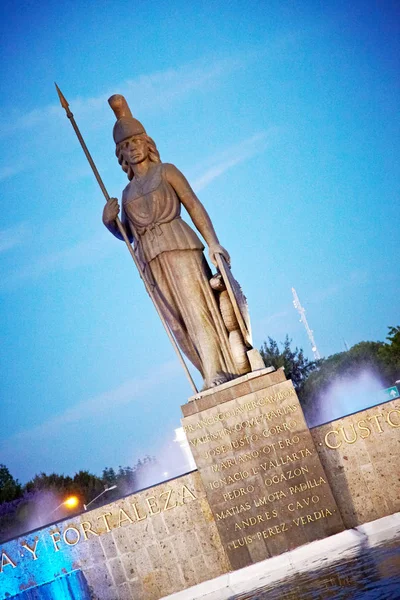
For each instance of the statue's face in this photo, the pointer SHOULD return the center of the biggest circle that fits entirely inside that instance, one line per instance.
(134, 150)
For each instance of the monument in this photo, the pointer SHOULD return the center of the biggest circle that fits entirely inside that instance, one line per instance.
(264, 483)
(261, 471)
(263, 478)
(204, 314)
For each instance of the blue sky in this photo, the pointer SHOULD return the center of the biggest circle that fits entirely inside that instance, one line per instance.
(282, 115)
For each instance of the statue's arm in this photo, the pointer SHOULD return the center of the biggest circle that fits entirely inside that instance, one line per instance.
(110, 213)
(196, 211)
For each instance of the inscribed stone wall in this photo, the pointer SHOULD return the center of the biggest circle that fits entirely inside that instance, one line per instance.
(261, 472)
(141, 547)
(360, 454)
(264, 486)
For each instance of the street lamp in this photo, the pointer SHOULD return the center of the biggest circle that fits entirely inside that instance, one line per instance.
(71, 502)
(106, 489)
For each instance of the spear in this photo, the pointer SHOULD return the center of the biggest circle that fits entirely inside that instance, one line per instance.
(124, 236)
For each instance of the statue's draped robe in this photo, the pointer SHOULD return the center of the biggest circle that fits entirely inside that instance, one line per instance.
(174, 263)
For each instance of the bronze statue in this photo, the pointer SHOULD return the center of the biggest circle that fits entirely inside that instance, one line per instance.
(171, 253)
(204, 315)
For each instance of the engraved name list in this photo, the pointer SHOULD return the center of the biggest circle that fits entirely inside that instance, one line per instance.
(262, 475)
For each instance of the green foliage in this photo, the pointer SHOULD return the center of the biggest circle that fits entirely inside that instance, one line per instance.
(390, 353)
(52, 482)
(378, 358)
(20, 506)
(127, 479)
(85, 485)
(109, 476)
(311, 379)
(297, 366)
(10, 488)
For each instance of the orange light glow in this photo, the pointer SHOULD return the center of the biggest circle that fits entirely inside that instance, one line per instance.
(71, 502)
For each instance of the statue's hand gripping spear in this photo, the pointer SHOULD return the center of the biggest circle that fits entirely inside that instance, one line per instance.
(124, 236)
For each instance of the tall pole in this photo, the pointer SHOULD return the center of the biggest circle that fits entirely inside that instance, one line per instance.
(124, 236)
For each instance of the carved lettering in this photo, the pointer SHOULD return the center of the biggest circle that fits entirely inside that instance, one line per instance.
(152, 505)
(389, 418)
(123, 517)
(275, 496)
(376, 419)
(247, 407)
(290, 474)
(272, 531)
(105, 516)
(290, 426)
(87, 528)
(235, 510)
(284, 460)
(249, 423)
(5, 561)
(239, 475)
(344, 433)
(299, 504)
(332, 444)
(244, 441)
(136, 511)
(31, 550)
(350, 433)
(315, 516)
(363, 428)
(74, 541)
(56, 537)
(216, 451)
(256, 520)
(236, 493)
(167, 505)
(188, 493)
(244, 541)
(247, 456)
(307, 485)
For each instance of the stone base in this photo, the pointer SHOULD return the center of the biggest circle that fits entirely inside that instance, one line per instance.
(340, 566)
(263, 478)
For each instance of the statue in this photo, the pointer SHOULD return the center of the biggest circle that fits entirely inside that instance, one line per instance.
(205, 316)
(171, 253)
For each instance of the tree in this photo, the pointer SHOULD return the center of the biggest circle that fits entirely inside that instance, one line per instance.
(312, 380)
(109, 476)
(54, 483)
(297, 366)
(377, 358)
(10, 488)
(28, 507)
(390, 353)
(128, 479)
(85, 485)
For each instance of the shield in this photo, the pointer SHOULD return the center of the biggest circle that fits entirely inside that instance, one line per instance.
(237, 298)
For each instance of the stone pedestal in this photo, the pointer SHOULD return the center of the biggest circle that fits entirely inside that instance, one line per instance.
(263, 478)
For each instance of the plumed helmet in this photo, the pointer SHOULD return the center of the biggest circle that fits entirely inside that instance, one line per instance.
(126, 125)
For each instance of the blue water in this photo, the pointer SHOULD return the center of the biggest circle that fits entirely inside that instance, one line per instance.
(372, 574)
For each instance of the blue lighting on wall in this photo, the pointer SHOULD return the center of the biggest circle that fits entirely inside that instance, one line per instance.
(55, 573)
(72, 586)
